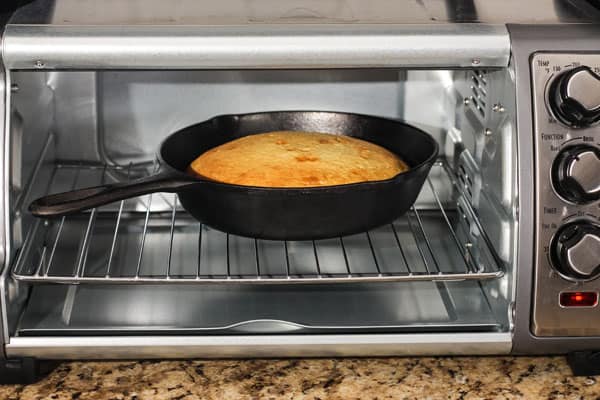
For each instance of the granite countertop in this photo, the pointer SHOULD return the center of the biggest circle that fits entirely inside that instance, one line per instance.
(377, 378)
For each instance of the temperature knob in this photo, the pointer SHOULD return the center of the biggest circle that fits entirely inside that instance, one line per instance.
(574, 97)
(575, 251)
(576, 174)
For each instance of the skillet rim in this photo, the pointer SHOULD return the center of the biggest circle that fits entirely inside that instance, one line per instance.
(296, 189)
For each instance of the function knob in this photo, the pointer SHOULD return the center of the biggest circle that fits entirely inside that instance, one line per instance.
(576, 174)
(575, 251)
(574, 97)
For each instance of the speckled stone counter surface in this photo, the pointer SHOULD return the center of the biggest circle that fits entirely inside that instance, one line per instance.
(382, 378)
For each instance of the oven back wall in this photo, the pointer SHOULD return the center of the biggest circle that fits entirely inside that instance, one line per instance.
(122, 116)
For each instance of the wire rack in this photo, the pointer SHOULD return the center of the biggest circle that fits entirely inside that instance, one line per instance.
(151, 240)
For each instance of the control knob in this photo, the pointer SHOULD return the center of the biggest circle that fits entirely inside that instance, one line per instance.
(574, 97)
(576, 174)
(575, 251)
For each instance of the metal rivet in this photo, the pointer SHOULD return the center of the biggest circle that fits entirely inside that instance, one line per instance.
(498, 108)
(39, 64)
(487, 132)
(466, 101)
(476, 61)
(14, 88)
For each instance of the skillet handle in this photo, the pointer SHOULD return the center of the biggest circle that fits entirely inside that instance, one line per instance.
(60, 204)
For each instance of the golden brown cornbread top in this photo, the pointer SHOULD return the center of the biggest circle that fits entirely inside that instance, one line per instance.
(297, 159)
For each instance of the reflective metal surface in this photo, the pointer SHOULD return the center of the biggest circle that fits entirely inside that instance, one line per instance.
(268, 46)
(488, 169)
(237, 12)
(4, 208)
(549, 319)
(29, 114)
(584, 170)
(584, 256)
(137, 109)
(585, 89)
(525, 41)
(425, 245)
(115, 117)
(492, 191)
(107, 347)
(465, 106)
(253, 309)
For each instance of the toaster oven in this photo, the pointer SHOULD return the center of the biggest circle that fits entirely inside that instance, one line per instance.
(498, 255)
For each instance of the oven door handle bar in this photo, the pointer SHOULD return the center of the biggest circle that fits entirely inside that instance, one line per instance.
(40, 47)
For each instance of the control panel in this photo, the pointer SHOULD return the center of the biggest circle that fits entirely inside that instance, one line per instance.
(566, 106)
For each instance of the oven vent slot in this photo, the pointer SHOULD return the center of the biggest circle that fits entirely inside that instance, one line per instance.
(469, 179)
(122, 244)
(478, 95)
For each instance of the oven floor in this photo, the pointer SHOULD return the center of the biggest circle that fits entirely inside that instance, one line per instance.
(237, 309)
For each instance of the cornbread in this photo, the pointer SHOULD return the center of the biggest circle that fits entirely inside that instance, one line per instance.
(297, 159)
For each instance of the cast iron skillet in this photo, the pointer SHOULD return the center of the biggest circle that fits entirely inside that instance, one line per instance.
(273, 213)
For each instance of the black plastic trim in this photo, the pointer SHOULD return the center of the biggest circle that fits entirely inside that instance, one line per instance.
(584, 363)
(24, 370)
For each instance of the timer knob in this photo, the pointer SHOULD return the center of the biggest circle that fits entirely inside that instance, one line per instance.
(576, 174)
(574, 97)
(575, 251)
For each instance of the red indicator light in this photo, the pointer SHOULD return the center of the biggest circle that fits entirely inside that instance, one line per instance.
(578, 299)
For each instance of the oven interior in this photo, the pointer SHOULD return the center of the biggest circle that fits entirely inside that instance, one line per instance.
(143, 267)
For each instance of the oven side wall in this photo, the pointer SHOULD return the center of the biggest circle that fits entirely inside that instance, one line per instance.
(3, 186)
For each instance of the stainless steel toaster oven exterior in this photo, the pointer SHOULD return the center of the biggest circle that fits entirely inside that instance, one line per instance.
(497, 256)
